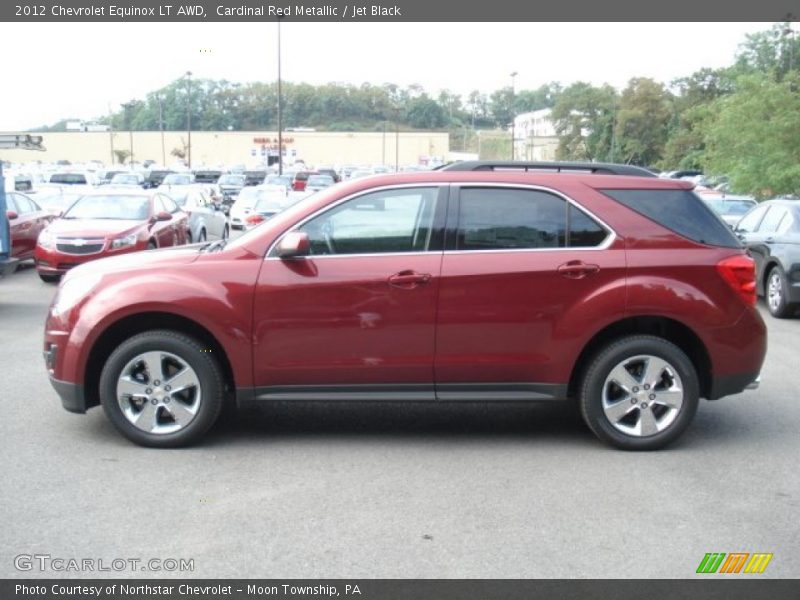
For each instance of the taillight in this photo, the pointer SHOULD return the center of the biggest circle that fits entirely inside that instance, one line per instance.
(739, 272)
(254, 219)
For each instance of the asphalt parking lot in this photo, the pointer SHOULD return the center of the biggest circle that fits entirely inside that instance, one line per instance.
(386, 491)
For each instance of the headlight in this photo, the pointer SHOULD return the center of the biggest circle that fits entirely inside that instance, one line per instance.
(46, 240)
(128, 240)
(72, 291)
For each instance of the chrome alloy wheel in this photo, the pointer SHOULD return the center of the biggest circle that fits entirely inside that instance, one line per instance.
(158, 392)
(642, 395)
(774, 290)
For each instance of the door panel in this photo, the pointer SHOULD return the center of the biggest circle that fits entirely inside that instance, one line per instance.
(361, 308)
(516, 302)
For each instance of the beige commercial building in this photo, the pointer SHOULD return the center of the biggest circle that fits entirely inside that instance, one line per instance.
(240, 147)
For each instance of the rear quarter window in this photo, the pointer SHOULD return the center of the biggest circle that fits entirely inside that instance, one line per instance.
(681, 211)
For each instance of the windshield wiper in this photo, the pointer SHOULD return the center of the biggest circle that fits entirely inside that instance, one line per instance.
(213, 246)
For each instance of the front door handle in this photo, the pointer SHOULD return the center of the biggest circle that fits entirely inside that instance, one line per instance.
(409, 279)
(577, 269)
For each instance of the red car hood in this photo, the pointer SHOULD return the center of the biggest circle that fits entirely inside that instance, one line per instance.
(93, 228)
(134, 261)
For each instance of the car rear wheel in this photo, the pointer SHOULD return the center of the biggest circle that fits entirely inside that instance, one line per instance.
(776, 294)
(202, 236)
(639, 393)
(162, 389)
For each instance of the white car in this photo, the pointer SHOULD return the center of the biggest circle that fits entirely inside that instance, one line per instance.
(247, 199)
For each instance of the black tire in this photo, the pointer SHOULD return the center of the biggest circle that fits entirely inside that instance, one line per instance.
(202, 237)
(193, 353)
(777, 299)
(49, 278)
(599, 392)
(151, 245)
(226, 233)
(188, 237)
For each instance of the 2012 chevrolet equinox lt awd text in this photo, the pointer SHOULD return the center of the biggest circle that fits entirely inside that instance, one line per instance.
(476, 283)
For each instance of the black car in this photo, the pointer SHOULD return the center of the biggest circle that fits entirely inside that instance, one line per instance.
(254, 177)
(155, 179)
(771, 233)
(207, 176)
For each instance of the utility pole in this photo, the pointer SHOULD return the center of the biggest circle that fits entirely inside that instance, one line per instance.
(280, 105)
(161, 128)
(189, 115)
(513, 116)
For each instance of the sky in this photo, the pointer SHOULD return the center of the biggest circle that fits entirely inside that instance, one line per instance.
(79, 70)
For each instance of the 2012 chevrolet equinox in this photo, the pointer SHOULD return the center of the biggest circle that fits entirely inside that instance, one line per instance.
(477, 283)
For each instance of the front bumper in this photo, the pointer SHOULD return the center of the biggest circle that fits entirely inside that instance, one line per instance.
(72, 395)
(8, 266)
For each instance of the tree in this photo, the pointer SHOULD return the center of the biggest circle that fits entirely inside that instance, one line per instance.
(122, 156)
(425, 113)
(583, 117)
(754, 136)
(642, 120)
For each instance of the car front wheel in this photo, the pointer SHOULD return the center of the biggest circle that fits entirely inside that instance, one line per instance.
(162, 389)
(639, 393)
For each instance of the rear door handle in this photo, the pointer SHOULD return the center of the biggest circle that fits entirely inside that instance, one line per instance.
(577, 269)
(409, 279)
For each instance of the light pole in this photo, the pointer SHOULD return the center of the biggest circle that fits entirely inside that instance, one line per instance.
(161, 128)
(189, 116)
(789, 32)
(280, 106)
(127, 108)
(513, 120)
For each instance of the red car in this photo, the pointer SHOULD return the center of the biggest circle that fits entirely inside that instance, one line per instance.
(299, 180)
(108, 223)
(26, 220)
(622, 291)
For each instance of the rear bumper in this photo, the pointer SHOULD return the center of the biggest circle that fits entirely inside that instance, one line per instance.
(733, 384)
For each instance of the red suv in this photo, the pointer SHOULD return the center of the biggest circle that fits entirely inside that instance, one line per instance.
(604, 285)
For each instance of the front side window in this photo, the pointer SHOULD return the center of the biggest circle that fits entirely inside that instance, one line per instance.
(750, 221)
(386, 221)
(772, 220)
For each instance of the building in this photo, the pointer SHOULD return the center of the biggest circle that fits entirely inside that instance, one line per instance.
(535, 136)
(240, 147)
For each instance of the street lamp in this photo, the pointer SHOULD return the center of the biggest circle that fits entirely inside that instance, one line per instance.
(513, 119)
(128, 107)
(280, 106)
(189, 115)
(161, 128)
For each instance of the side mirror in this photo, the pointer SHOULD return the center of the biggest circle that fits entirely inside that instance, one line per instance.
(293, 244)
(163, 216)
(11, 214)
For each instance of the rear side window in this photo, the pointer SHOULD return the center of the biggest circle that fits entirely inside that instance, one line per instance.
(681, 211)
(499, 219)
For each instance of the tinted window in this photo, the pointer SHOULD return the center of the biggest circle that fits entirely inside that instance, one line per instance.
(750, 221)
(583, 230)
(772, 220)
(491, 219)
(681, 211)
(386, 221)
(11, 203)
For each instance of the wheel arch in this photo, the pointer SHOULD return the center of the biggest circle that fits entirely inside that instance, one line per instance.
(120, 330)
(669, 329)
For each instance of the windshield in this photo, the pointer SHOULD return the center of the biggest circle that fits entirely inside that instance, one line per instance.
(125, 179)
(231, 180)
(68, 178)
(320, 180)
(732, 207)
(177, 179)
(130, 208)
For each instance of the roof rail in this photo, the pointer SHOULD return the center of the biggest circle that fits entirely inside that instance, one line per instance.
(559, 167)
